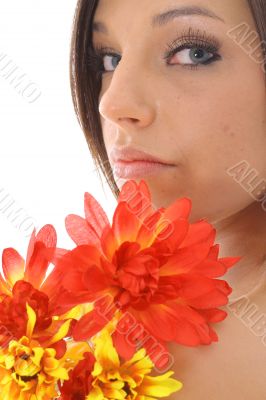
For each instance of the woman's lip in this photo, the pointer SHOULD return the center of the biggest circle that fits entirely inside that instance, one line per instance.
(138, 168)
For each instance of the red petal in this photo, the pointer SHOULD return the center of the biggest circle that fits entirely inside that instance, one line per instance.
(159, 322)
(36, 269)
(122, 345)
(60, 348)
(192, 286)
(211, 299)
(186, 259)
(53, 255)
(31, 246)
(223, 286)
(181, 208)
(214, 251)
(4, 288)
(213, 335)
(47, 235)
(75, 262)
(191, 328)
(109, 243)
(174, 233)
(213, 315)
(81, 257)
(137, 197)
(13, 266)
(108, 268)
(131, 188)
(158, 353)
(125, 223)
(72, 280)
(80, 231)
(191, 335)
(95, 215)
(94, 280)
(90, 324)
(180, 324)
(54, 279)
(62, 301)
(229, 262)
(199, 232)
(210, 268)
(37, 263)
(147, 234)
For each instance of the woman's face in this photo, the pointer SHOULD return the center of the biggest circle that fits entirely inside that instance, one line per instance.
(201, 120)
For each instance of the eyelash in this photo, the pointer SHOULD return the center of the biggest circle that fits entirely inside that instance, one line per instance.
(194, 39)
(189, 39)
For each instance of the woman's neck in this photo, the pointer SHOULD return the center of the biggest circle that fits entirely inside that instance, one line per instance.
(244, 234)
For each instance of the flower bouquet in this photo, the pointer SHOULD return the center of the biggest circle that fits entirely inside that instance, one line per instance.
(97, 326)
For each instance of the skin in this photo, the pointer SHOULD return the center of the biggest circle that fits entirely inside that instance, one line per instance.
(203, 121)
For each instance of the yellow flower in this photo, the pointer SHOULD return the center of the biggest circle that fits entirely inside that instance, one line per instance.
(128, 380)
(30, 371)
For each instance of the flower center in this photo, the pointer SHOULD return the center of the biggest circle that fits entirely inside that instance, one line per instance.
(128, 391)
(25, 369)
(26, 378)
(137, 271)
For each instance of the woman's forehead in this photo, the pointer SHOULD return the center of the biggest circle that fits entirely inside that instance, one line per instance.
(154, 14)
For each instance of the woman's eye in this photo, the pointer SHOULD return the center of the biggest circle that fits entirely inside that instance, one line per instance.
(188, 55)
(109, 62)
(192, 56)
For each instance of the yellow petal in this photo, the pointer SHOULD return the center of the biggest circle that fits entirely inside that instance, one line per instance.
(97, 370)
(9, 361)
(75, 350)
(62, 332)
(115, 385)
(78, 311)
(59, 373)
(112, 393)
(139, 363)
(31, 321)
(26, 368)
(105, 353)
(37, 355)
(50, 364)
(95, 394)
(159, 386)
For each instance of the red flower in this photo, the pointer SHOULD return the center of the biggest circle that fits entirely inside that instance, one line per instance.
(34, 269)
(24, 284)
(80, 380)
(154, 264)
(13, 313)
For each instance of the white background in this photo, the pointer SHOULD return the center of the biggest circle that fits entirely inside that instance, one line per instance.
(45, 164)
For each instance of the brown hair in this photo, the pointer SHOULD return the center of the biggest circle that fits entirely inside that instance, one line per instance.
(86, 83)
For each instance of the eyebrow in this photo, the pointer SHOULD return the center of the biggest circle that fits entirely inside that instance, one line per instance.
(167, 16)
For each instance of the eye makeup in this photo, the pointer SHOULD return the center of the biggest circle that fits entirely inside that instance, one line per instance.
(190, 38)
(195, 39)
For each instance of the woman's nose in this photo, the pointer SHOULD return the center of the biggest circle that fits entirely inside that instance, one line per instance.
(127, 99)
